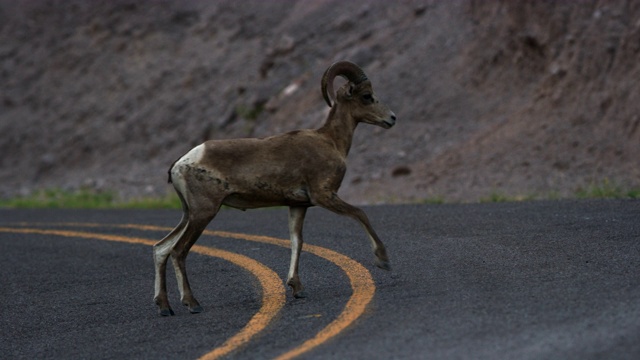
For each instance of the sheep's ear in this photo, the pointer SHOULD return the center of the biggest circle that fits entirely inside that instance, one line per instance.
(350, 89)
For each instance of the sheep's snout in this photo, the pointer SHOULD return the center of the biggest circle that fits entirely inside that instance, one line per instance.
(390, 121)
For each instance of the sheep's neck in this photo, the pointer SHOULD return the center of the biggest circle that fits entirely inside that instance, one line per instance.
(339, 127)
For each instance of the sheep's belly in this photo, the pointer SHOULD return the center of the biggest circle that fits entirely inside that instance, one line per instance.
(268, 197)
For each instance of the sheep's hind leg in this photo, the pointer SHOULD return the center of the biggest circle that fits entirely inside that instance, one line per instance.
(339, 206)
(161, 251)
(200, 212)
(296, 219)
(192, 232)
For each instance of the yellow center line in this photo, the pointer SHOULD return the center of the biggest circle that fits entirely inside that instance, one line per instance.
(273, 299)
(273, 293)
(360, 279)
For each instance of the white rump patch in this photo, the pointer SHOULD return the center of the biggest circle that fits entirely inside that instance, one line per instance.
(192, 157)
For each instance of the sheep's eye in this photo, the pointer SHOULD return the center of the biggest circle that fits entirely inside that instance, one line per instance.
(367, 97)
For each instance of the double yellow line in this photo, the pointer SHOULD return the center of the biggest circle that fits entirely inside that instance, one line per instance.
(273, 292)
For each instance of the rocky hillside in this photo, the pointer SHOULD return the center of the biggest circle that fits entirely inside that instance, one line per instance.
(510, 97)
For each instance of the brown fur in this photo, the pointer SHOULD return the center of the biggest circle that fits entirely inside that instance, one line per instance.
(298, 169)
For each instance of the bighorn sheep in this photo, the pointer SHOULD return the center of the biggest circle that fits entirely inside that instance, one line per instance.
(298, 169)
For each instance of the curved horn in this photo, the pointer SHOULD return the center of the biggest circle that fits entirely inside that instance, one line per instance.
(347, 70)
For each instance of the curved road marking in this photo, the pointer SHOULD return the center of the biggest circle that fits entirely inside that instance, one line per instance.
(273, 293)
(361, 283)
(359, 277)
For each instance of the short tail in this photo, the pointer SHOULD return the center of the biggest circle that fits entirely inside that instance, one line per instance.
(170, 181)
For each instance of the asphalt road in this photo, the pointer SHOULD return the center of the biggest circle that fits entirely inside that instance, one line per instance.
(535, 280)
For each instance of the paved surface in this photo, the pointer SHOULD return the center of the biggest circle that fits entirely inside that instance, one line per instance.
(539, 280)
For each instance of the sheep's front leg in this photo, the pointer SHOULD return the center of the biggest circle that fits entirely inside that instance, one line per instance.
(334, 203)
(296, 219)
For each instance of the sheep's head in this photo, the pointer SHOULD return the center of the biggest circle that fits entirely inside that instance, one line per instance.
(357, 94)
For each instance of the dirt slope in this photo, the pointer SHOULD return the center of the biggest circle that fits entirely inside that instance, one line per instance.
(518, 98)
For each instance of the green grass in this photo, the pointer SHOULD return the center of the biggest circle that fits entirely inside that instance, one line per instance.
(92, 199)
(436, 200)
(606, 190)
(88, 199)
(603, 190)
(633, 194)
(249, 112)
(496, 196)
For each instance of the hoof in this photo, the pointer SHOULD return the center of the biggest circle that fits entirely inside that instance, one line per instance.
(300, 295)
(166, 312)
(384, 265)
(296, 288)
(196, 309)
